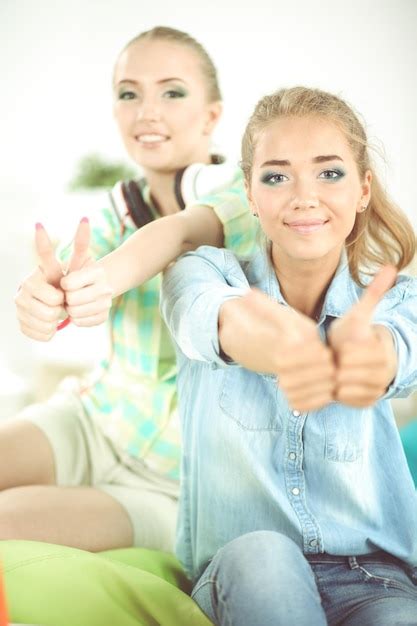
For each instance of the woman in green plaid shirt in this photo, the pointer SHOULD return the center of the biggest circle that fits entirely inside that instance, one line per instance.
(97, 467)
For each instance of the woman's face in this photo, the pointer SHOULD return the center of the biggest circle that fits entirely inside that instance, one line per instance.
(161, 105)
(305, 187)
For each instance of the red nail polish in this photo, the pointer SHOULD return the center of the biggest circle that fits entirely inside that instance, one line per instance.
(85, 220)
(63, 324)
(38, 225)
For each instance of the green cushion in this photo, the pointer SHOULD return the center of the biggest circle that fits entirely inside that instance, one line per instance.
(55, 585)
(409, 439)
(160, 564)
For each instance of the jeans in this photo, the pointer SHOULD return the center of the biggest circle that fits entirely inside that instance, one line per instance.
(263, 579)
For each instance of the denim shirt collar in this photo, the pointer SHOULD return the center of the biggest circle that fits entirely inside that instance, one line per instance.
(341, 295)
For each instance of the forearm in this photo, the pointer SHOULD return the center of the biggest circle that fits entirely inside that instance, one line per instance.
(144, 254)
(246, 338)
(153, 247)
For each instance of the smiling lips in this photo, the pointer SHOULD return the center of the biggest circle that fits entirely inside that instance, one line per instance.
(305, 227)
(151, 139)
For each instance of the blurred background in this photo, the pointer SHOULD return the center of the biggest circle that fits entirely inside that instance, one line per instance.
(56, 107)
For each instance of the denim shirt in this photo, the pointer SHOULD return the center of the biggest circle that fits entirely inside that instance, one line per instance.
(335, 479)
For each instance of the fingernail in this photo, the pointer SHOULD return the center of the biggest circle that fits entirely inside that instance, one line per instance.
(85, 220)
(38, 225)
(64, 323)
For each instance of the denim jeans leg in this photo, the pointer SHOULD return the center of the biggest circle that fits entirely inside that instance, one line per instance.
(365, 590)
(260, 579)
(392, 611)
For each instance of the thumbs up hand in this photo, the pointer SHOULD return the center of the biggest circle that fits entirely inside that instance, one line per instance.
(280, 341)
(365, 356)
(52, 290)
(88, 296)
(40, 300)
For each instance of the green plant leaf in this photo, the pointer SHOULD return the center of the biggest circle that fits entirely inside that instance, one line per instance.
(95, 172)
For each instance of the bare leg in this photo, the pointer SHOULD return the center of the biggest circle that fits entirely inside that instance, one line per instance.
(32, 507)
(80, 517)
(26, 457)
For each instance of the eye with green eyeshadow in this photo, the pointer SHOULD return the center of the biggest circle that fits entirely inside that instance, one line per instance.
(126, 94)
(273, 178)
(332, 175)
(175, 92)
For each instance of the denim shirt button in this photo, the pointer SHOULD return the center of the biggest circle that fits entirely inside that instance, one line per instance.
(296, 413)
(313, 543)
(295, 491)
(292, 456)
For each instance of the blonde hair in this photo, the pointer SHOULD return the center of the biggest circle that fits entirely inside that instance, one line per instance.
(382, 234)
(208, 68)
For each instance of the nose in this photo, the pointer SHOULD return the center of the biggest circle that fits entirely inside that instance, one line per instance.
(149, 110)
(304, 197)
(311, 202)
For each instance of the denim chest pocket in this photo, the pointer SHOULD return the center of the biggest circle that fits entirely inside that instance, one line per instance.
(345, 431)
(250, 400)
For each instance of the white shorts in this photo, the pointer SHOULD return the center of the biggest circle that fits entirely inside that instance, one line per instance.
(85, 456)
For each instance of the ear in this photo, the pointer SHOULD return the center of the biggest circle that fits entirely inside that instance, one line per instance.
(366, 191)
(214, 111)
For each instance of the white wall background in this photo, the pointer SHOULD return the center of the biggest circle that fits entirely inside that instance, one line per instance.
(55, 66)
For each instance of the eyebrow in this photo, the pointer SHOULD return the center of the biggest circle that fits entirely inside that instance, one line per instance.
(323, 158)
(169, 80)
(159, 82)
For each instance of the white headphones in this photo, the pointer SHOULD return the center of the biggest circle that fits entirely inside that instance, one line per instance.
(191, 183)
(199, 179)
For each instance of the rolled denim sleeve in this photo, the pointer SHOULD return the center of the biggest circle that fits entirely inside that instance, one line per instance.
(193, 291)
(401, 320)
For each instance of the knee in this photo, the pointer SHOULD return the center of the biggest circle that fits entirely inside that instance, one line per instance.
(257, 557)
(264, 546)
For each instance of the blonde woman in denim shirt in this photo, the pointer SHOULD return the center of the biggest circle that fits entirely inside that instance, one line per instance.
(297, 504)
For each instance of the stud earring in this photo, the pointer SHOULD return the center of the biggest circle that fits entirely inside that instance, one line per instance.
(363, 208)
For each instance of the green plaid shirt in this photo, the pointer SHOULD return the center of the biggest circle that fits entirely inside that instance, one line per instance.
(133, 394)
